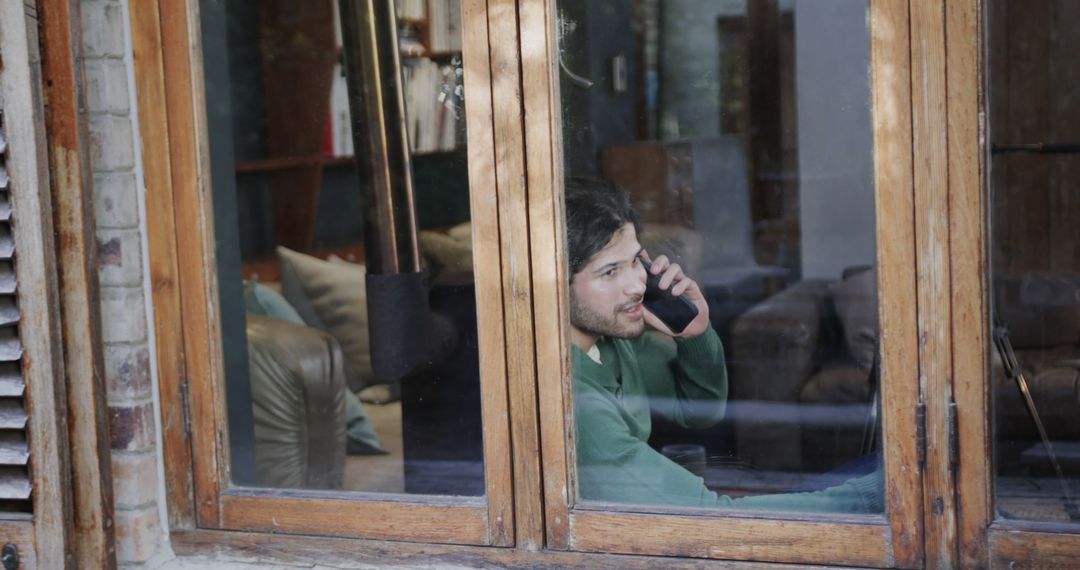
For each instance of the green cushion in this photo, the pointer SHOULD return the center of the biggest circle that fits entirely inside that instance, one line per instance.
(264, 301)
(358, 426)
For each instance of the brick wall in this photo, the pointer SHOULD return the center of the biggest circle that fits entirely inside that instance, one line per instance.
(123, 304)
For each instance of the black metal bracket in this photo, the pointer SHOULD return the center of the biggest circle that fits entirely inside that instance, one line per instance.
(1035, 148)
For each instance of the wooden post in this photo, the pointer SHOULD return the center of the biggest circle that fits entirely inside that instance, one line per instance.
(930, 147)
(73, 199)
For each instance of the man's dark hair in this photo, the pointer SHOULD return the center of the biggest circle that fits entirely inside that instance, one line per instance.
(595, 210)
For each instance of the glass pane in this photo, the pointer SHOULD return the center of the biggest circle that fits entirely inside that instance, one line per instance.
(343, 245)
(1035, 256)
(735, 139)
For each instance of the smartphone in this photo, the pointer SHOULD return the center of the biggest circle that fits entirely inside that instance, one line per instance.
(675, 312)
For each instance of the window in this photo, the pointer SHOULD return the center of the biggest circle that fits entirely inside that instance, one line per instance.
(358, 244)
(776, 230)
(779, 199)
(1020, 497)
(381, 405)
(1033, 277)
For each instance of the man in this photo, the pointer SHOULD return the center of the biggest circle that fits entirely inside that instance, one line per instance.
(620, 373)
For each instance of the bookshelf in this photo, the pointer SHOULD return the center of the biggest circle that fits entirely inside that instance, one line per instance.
(298, 51)
(429, 37)
(287, 162)
(305, 100)
(434, 26)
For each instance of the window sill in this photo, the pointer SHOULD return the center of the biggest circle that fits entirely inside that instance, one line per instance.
(203, 547)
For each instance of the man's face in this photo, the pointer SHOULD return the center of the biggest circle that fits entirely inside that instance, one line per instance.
(605, 296)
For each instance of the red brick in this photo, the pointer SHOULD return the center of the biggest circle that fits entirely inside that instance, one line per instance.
(132, 426)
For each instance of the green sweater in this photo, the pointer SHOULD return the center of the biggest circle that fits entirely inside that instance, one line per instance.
(686, 384)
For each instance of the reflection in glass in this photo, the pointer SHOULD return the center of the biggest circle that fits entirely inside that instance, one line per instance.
(1035, 257)
(741, 133)
(344, 256)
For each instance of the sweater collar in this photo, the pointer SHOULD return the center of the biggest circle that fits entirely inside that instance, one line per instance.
(602, 374)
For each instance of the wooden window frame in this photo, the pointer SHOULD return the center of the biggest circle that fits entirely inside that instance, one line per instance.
(172, 115)
(893, 540)
(932, 280)
(982, 539)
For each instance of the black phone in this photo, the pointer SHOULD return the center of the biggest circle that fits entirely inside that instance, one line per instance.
(675, 312)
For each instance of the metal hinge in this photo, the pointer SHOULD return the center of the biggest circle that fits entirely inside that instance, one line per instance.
(185, 406)
(953, 435)
(920, 432)
(954, 439)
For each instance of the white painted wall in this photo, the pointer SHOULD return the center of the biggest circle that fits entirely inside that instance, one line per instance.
(836, 161)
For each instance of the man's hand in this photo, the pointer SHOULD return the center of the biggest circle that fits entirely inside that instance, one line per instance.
(674, 280)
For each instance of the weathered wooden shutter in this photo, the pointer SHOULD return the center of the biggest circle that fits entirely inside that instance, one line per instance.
(35, 490)
(15, 487)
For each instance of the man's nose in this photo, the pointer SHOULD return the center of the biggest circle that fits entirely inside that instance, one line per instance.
(636, 283)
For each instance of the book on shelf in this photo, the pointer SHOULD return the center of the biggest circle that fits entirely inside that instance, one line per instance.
(433, 94)
(433, 106)
(444, 26)
(433, 110)
(339, 140)
(411, 9)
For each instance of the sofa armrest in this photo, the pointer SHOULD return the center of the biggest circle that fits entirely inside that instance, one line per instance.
(298, 403)
(776, 346)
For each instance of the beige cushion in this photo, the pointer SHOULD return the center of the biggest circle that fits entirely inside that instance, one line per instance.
(1055, 390)
(856, 302)
(445, 252)
(332, 296)
(461, 232)
(837, 385)
(449, 252)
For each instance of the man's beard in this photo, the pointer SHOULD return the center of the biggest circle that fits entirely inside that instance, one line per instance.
(599, 324)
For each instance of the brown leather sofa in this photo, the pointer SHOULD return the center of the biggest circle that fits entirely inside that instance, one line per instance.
(1041, 311)
(800, 400)
(298, 402)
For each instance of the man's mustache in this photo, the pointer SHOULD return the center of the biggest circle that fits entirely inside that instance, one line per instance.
(629, 304)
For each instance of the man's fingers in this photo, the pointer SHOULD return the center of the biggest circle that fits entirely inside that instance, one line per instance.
(659, 264)
(672, 279)
(673, 274)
